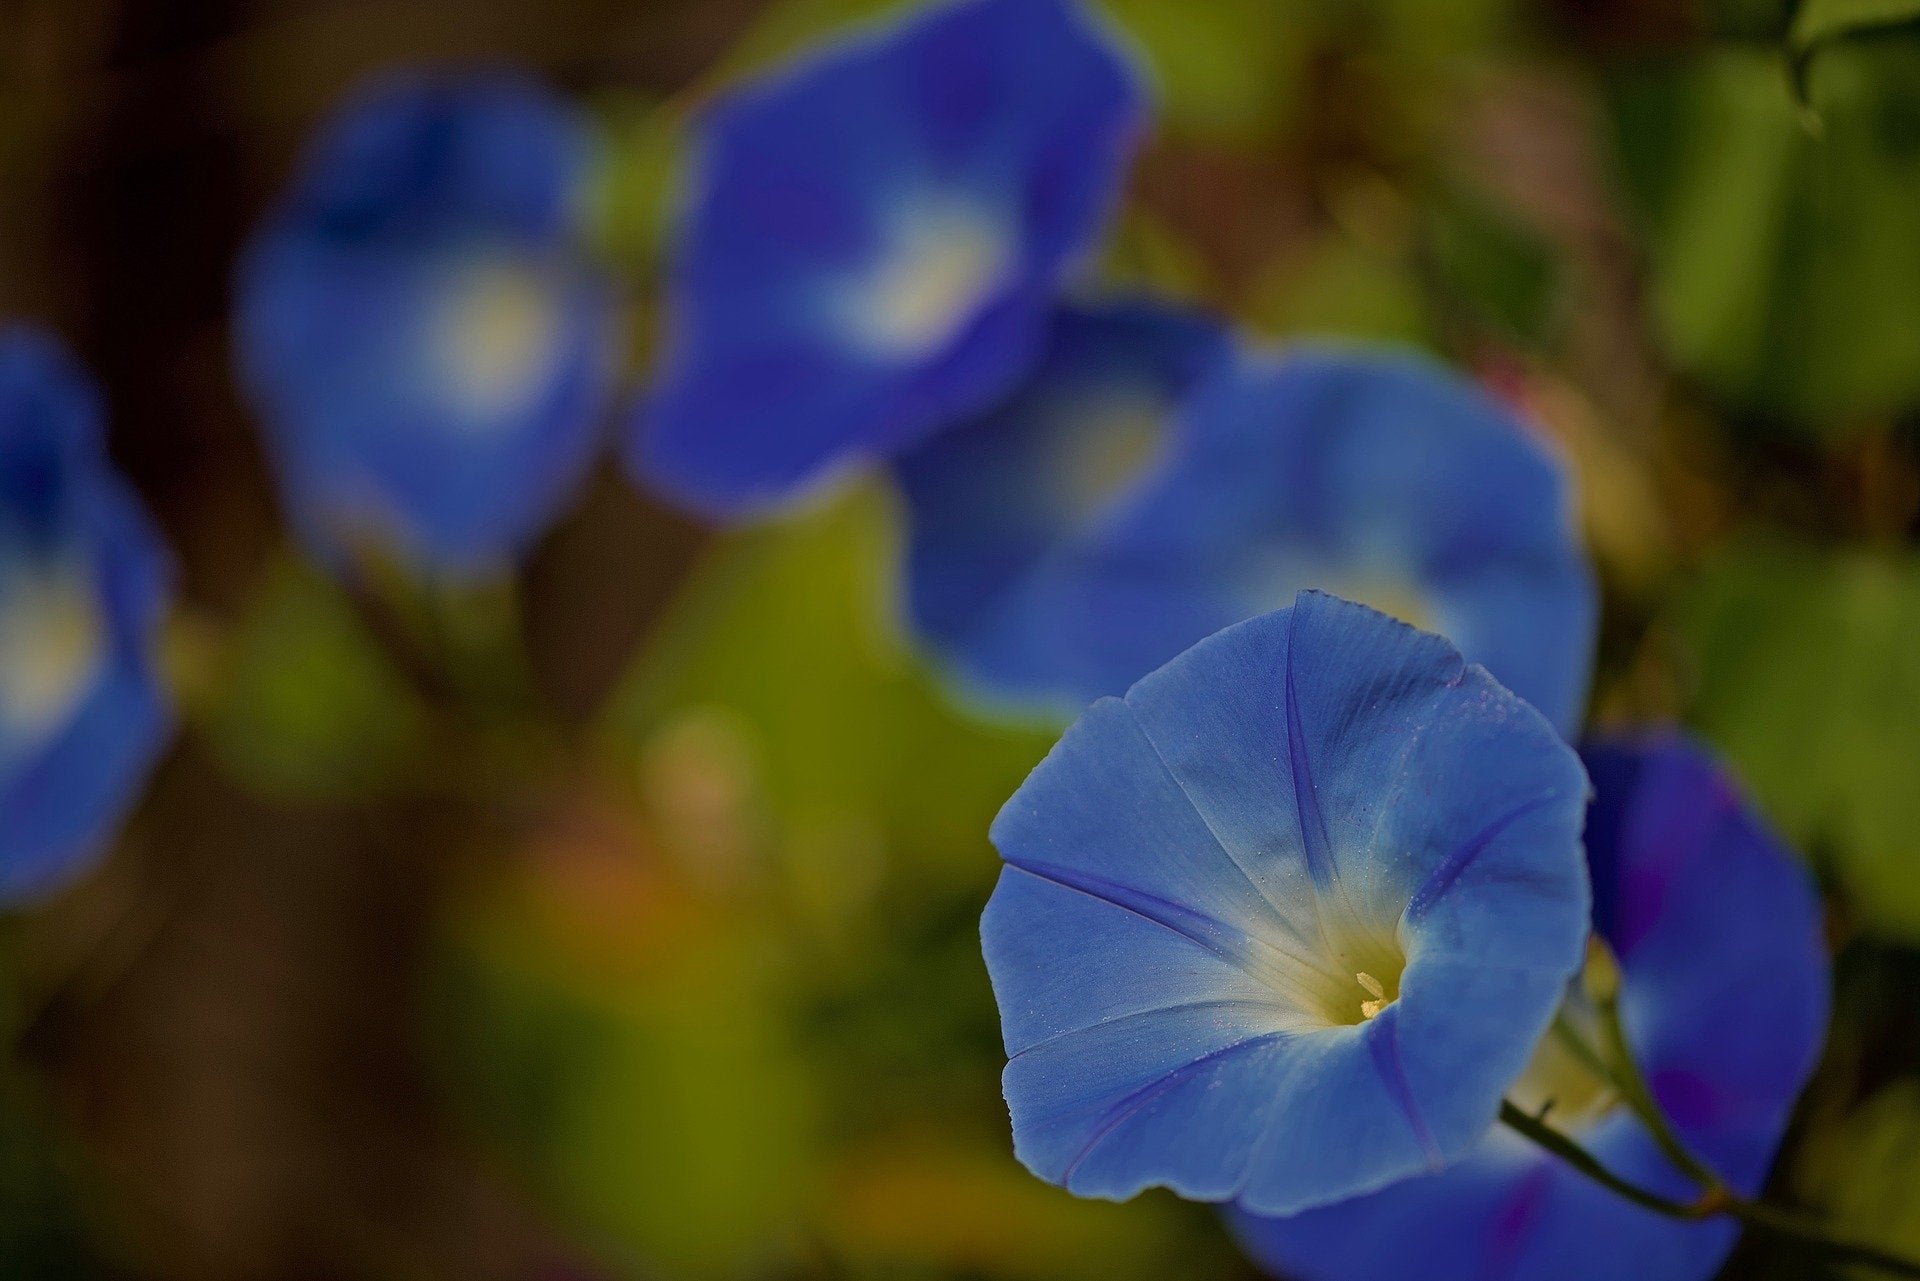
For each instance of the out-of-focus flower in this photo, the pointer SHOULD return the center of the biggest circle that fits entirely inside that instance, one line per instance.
(1724, 1000)
(996, 504)
(1378, 477)
(875, 241)
(1283, 925)
(423, 327)
(83, 584)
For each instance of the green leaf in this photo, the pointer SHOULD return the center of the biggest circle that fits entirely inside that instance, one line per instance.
(1494, 265)
(1340, 287)
(640, 180)
(1786, 260)
(1866, 1173)
(306, 706)
(1226, 70)
(1818, 21)
(1807, 680)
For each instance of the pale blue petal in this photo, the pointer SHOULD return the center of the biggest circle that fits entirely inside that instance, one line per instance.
(1232, 810)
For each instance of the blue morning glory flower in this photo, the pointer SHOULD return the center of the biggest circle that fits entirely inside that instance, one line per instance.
(83, 584)
(874, 242)
(1724, 997)
(994, 504)
(1379, 477)
(1283, 924)
(422, 326)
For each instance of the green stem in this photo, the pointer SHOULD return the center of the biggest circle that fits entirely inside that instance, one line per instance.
(1715, 1199)
(1586, 1163)
(1638, 1095)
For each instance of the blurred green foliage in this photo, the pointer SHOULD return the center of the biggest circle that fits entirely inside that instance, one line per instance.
(793, 632)
(634, 1040)
(1817, 21)
(1865, 1172)
(1785, 238)
(305, 703)
(43, 1236)
(732, 1007)
(1807, 678)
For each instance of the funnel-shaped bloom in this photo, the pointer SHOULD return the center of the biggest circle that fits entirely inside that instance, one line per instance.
(874, 241)
(421, 324)
(997, 504)
(1724, 998)
(1283, 925)
(83, 583)
(1378, 477)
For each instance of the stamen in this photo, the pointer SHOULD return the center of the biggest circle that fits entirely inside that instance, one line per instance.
(1368, 1009)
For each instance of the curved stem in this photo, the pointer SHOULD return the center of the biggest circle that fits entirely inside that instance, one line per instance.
(1715, 1199)
(1532, 1127)
(1632, 1083)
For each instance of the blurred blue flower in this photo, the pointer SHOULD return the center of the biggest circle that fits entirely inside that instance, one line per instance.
(875, 241)
(83, 584)
(1724, 998)
(423, 327)
(1283, 925)
(1379, 477)
(995, 504)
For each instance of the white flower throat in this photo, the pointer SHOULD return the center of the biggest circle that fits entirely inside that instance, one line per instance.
(943, 261)
(498, 339)
(1348, 976)
(53, 640)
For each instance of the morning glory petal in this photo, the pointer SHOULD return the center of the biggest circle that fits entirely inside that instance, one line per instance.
(874, 241)
(423, 327)
(1377, 476)
(1724, 996)
(1230, 947)
(994, 503)
(83, 583)
(1702, 895)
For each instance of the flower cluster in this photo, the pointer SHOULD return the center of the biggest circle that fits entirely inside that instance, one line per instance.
(1288, 924)
(1315, 885)
(875, 242)
(874, 267)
